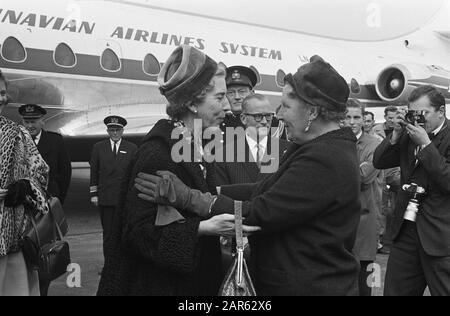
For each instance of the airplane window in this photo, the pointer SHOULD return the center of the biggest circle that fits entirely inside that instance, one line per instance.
(64, 56)
(280, 78)
(13, 50)
(110, 61)
(151, 65)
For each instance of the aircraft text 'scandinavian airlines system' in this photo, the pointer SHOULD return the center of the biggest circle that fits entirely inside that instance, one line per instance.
(86, 59)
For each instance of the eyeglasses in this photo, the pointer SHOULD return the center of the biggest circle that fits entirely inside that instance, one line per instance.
(259, 116)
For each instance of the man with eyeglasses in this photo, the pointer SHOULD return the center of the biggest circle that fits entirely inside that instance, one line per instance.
(256, 118)
(259, 147)
(241, 82)
(109, 162)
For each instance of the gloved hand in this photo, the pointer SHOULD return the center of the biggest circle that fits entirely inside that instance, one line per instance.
(17, 193)
(167, 189)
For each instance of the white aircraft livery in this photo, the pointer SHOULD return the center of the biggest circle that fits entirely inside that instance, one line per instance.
(86, 59)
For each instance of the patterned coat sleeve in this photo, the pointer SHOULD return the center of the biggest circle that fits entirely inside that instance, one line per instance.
(37, 176)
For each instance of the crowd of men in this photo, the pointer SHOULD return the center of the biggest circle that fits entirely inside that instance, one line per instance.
(392, 154)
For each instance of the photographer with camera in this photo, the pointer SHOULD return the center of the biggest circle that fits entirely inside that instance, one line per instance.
(420, 145)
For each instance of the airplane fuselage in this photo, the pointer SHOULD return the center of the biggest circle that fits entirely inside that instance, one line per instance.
(118, 46)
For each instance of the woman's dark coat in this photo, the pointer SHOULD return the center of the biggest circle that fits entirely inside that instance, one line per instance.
(309, 212)
(143, 259)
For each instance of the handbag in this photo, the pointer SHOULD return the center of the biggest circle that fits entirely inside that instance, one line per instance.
(44, 247)
(237, 280)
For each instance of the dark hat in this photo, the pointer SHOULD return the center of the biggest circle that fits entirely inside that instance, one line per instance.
(318, 83)
(32, 111)
(185, 74)
(115, 121)
(241, 76)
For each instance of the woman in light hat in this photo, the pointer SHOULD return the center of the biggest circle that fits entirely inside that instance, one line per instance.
(23, 181)
(157, 250)
(309, 209)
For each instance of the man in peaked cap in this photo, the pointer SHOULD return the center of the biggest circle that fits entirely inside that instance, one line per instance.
(51, 147)
(241, 82)
(109, 161)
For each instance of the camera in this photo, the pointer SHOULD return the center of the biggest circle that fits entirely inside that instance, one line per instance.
(413, 116)
(412, 209)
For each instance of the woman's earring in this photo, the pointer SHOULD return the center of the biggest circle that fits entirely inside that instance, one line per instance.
(309, 125)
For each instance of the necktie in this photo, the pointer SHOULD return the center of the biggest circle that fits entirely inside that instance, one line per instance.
(115, 148)
(259, 153)
(431, 136)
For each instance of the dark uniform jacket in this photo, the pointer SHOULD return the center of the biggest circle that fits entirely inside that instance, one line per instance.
(234, 121)
(145, 259)
(246, 171)
(432, 172)
(52, 149)
(108, 170)
(309, 211)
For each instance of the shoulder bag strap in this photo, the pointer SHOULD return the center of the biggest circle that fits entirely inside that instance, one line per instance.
(239, 240)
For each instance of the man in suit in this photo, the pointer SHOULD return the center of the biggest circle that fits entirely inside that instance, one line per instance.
(109, 162)
(250, 154)
(241, 82)
(365, 248)
(256, 118)
(420, 255)
(52, 149)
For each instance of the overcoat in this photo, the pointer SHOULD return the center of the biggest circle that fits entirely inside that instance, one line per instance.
(145, 259)
(309, 211)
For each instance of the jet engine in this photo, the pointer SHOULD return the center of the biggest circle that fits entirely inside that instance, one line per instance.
(395, 82)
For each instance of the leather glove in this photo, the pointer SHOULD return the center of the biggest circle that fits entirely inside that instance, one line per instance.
(17, 193)
(167, 189)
